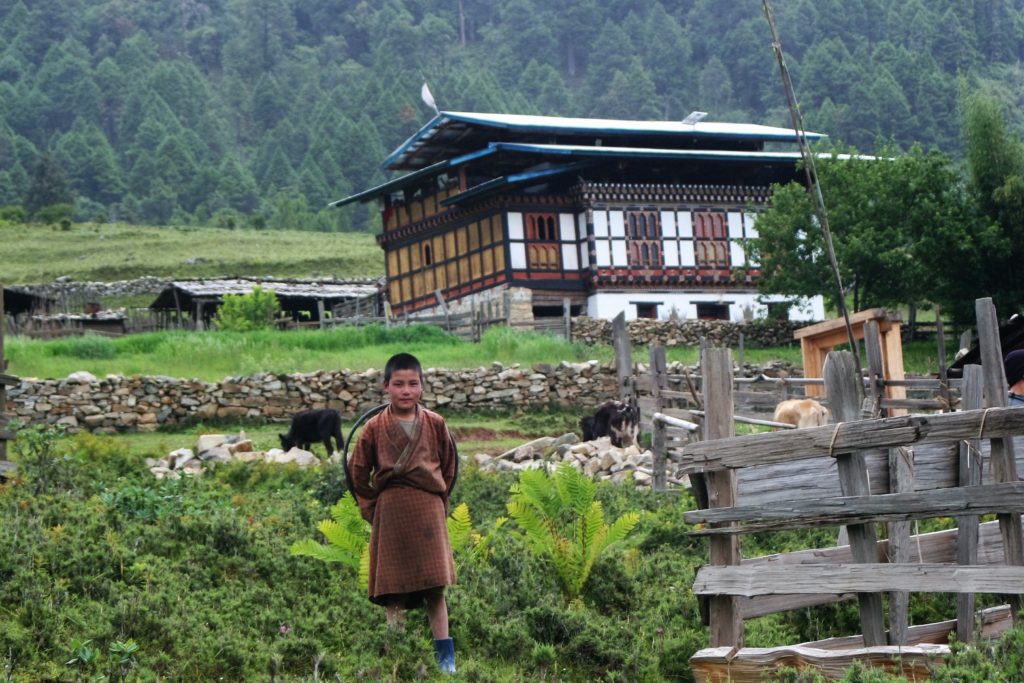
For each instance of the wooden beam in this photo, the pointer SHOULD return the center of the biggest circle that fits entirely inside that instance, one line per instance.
(969, 474)
(774, 447)
(1004, 464)
(933, 547)
(844, 389)
(755, 664)
(726, 623)
(857, 578)
(802, 514)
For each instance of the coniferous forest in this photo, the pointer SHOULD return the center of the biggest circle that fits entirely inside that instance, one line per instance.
(259, 112)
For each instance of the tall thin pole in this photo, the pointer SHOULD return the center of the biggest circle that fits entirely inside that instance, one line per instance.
(812, 180)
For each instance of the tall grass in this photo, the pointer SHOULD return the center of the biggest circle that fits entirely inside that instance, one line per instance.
(212, 356)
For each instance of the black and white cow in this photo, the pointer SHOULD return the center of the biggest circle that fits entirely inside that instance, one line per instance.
(614, 419)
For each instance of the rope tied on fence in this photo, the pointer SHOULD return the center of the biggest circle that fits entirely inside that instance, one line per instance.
(832, 444)
(981, 427)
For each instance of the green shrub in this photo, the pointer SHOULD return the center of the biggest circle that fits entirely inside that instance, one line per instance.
(55, 213)
(243, 312)
(13, 213)
(86, 347)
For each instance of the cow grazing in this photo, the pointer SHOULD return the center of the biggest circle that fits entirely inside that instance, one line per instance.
(614, 419)
(314, 426)
(802, 412)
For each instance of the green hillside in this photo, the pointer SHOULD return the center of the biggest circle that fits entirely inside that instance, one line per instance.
(256, 111)
(89, 251)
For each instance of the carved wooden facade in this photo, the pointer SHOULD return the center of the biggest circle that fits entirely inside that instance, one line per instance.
(646, 217)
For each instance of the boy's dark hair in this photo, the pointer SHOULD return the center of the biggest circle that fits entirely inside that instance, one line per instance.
(402, 361)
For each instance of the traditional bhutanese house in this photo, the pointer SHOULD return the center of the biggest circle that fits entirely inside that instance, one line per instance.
(303, 301)
(645, 217)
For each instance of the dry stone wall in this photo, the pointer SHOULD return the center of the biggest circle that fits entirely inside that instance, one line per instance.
(145, 403)
(645, 332)
(117, 403)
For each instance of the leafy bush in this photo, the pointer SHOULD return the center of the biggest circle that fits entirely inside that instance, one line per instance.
(55, 213)
(13, 213)
(243, 312)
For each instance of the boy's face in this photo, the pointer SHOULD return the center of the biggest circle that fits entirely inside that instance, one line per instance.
(404, 389)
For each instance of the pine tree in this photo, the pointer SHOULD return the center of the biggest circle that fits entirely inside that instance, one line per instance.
(49, 185)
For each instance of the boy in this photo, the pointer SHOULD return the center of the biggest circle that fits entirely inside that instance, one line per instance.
(403, 467)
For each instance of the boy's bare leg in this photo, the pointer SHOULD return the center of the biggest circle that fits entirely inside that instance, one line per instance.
(395, 613)
(437, 614)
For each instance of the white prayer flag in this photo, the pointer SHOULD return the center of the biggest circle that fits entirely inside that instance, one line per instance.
(428, 99)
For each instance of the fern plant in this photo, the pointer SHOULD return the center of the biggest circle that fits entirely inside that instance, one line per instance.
(348, 538)
(562, 521)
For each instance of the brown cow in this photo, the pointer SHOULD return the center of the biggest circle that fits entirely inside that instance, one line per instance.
(802, 412)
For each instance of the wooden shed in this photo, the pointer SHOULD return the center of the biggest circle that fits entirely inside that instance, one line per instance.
(304, 301)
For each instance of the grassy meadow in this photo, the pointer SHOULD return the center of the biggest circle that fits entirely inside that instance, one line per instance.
(114, 251)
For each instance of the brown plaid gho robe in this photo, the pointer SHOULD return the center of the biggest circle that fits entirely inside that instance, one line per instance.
(402, 484)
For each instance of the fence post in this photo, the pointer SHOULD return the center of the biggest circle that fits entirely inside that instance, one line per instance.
(940, 337)
(3, 370)
(659, 381)
(901, 480)
(726, 622)
(971, 398)
(322, 313)
(567, 318)
(843, 388)
(1004, 465)
(623, 357)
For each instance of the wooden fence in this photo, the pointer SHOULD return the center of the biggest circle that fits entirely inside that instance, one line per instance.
(858, 473)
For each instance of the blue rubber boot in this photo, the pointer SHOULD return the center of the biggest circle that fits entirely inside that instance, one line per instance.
(444, 653)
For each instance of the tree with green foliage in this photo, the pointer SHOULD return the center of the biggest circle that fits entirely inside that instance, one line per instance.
(893, 220)
(256, 310)
(49, 185)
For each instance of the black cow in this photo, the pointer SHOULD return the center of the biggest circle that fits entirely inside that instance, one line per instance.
(314, 426)
(614, 419)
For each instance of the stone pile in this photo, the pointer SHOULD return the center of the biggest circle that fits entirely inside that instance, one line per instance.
(597, 458)
(217, 448)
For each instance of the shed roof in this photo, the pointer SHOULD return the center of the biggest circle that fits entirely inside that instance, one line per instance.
(451, 133)
(291, 289)
(18, 301)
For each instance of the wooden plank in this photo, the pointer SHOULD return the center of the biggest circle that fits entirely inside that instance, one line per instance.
(860, 578)
(756, 664)
(934, 547)
(659, 379)
(725, 622)
(994, 621)
(800, 514)
(969, 474)
(839, 324)
(623, 357)
(1004, 464)
(935, 466)
(843, 388)
(901, 479)
(770, 447)
(9, 380)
